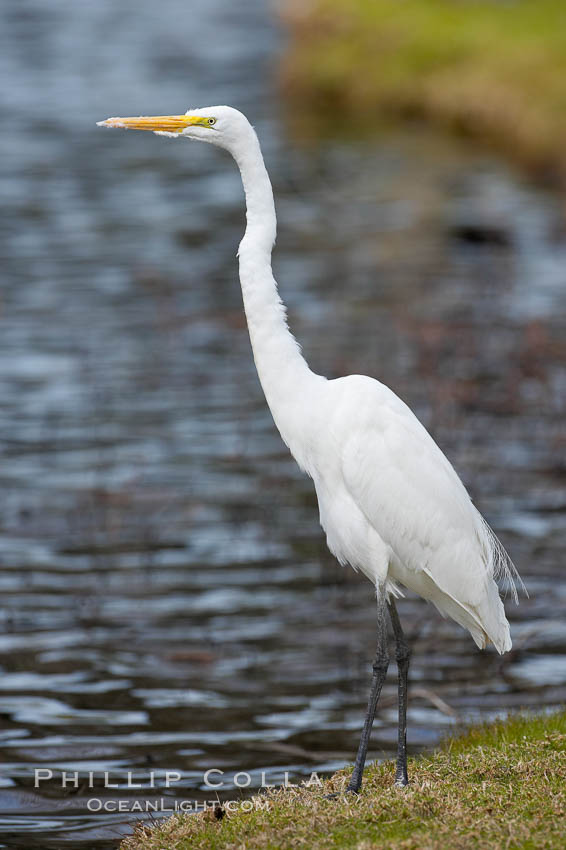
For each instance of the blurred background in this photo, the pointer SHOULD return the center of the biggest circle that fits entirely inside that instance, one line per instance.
(167, 598)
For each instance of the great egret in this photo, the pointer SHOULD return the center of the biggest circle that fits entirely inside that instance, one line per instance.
(390, 502)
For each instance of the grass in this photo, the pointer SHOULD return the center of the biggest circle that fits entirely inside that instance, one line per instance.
(498, 786)
(495, 69)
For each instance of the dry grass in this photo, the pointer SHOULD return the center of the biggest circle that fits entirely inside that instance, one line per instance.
(501, 786)
(489, 68)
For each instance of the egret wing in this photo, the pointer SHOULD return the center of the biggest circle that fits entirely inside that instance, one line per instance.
(413, 498)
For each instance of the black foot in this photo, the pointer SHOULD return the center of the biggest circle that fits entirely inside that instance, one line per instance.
(336, 794)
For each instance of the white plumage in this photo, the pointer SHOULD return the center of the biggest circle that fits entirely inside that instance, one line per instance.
(393, 506)
(390, 502)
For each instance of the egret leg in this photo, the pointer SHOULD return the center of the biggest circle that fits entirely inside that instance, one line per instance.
(402, 656)
(380, 665)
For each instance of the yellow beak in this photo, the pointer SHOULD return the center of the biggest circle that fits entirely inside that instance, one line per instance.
(159, 123)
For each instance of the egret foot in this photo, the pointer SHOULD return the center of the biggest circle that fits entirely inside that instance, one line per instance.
(336, 794)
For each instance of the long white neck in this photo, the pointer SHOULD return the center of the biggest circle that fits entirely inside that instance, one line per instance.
(285, 377)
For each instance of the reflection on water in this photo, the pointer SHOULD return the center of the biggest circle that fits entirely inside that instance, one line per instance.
(167, 599)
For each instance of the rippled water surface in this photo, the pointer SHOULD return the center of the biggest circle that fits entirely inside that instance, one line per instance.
(167, 599)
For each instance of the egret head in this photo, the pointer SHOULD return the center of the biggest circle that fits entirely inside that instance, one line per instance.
(218, 125)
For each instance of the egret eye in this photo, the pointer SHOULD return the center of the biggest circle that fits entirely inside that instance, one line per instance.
(212, 121)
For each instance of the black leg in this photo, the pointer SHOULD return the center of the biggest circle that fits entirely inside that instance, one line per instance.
(402, 655)
(380, 666)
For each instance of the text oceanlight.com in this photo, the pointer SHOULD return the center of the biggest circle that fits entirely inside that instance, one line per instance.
(168, 806)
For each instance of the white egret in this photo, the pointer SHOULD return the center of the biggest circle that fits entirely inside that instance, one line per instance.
(390, 502)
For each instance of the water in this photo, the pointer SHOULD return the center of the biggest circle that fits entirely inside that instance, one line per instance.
(167, 599)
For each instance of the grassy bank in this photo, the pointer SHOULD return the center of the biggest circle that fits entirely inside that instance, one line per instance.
(500, 786)
(491, 68)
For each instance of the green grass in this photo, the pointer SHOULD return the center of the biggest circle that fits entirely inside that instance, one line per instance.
(491, 68)
(499, 786)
